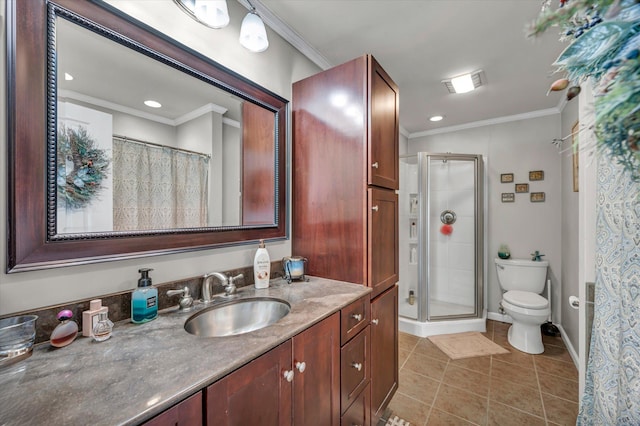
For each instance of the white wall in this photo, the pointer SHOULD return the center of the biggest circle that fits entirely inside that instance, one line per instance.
(275, 69)
(570, 222)
(514, 147)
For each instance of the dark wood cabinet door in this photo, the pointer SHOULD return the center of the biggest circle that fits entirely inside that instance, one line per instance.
(359, 412)
(256, 394)
(383, 240)
(384, 351)
(185, 413)
(384, 128)
(356, 367)
(316, 385)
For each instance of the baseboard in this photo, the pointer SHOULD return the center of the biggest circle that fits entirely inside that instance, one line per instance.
(499, 317)
(570, 348)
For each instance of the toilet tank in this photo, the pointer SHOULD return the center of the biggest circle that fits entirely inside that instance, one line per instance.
(522, 274)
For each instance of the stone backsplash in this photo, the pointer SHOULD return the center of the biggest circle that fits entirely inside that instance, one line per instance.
(120, 303)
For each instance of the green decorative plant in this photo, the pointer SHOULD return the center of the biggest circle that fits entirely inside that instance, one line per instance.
(604, 37)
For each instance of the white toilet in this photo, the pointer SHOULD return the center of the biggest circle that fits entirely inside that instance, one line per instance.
(523, 281)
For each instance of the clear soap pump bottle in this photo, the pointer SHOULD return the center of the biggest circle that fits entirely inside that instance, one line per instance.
(144, 299)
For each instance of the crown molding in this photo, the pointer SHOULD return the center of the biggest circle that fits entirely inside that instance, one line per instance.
(286, 32)
(489, 122)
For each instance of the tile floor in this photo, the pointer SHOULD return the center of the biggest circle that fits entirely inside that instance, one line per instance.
(510, 389)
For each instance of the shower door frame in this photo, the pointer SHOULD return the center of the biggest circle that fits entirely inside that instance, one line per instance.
(424, 201)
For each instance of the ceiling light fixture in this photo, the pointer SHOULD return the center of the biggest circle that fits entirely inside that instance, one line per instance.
(436, 118)
(253, 34)
(464, 83)
(212, 13)
(152, 104)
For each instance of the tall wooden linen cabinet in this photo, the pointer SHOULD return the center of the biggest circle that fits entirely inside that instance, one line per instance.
(345, 205)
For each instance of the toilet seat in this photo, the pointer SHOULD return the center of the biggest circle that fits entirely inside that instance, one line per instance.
(525, 299)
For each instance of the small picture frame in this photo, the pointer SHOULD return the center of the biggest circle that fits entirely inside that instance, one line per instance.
(508, 197)
(536, 175)
(506, 178)
(537, 197)
(522, 188)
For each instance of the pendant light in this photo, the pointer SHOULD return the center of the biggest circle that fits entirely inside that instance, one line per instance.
(212, 13)
(253, 34)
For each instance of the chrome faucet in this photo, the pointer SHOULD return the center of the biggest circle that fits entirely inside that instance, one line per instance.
(228, 282)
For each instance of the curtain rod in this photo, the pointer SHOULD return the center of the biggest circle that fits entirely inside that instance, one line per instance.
(128, 139)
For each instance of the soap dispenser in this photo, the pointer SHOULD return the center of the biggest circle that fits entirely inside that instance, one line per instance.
(144, 299)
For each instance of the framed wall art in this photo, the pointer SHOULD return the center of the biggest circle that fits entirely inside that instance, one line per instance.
(537, 197)
(508, 197)
(506, 178)
(536, 175)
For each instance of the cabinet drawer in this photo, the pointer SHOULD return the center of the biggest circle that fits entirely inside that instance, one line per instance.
(354, 318)
(354, 367)
(359, 413)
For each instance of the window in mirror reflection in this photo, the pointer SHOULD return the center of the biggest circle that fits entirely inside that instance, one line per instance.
(186, 164)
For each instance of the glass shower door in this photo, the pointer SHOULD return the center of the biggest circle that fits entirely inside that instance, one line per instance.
(452, 236)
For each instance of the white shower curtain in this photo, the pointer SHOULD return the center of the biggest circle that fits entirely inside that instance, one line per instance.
(612, 389)
(158, 187)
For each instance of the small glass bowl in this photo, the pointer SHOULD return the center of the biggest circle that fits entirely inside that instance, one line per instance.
(17, 335)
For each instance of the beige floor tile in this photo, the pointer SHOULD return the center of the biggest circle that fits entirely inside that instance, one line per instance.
(504, 415)
(524, 398)
(425, 365)
(479, 364)
(402, 356)
(550, 366)
(427, 348)
(557, 386)
(501, 326)
(468, 380)
(409, 409)
(407, 341)
(553, 340)
(440, 418)
(513, 373)
(516, 357)
(501, 340)
(463, 404)
(560, 411)
(418, 386)
(559, 353)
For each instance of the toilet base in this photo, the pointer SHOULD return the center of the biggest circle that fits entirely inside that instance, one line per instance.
(526, 338)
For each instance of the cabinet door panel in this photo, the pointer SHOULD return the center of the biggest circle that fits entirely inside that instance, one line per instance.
(256, 394)
(384, 128)
(355, 368)
(383, 239)
(316, 389)
(384, 351)
(185, 413)
(359, 413)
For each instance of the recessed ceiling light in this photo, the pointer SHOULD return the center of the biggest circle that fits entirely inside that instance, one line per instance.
(464, 83)
(436, 118)
(152, 104)
(68, 76)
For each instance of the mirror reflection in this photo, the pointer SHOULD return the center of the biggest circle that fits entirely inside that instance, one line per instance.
(142, 145)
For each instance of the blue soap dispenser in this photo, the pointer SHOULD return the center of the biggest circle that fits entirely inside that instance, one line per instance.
(144, 299)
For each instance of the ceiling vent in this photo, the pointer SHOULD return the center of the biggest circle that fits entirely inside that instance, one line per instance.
(465, 83)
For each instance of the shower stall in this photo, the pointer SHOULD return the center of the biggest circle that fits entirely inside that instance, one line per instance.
(442, 245)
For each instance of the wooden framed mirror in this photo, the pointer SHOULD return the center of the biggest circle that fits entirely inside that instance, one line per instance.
(96, 175)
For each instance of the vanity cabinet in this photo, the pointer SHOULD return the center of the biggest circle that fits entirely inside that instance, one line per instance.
(185, 413)
(384, 351)
(345, 173)
(298, 381)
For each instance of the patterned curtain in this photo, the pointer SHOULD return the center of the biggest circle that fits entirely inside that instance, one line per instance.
(612, 389)
(158, 187)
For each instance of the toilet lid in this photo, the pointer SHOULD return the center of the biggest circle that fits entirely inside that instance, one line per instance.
(525, 299)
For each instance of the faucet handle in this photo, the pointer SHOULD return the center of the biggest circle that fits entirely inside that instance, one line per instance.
(237, 277)
(186, 301)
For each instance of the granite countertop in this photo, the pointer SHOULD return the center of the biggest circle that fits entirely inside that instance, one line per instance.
(144, 369)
